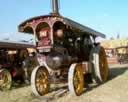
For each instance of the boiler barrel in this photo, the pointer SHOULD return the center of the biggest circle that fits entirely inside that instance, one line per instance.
(56, 60)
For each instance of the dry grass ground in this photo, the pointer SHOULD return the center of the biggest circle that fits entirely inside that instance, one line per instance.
(115, 90)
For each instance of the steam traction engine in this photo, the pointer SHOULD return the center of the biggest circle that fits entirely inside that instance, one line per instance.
(66, 51)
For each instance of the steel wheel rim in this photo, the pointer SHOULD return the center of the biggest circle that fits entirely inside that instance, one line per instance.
(41, 81)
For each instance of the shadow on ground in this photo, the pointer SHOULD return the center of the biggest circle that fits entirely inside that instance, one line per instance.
(113, 73)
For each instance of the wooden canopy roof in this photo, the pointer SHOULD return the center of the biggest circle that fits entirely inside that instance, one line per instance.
(66, 21)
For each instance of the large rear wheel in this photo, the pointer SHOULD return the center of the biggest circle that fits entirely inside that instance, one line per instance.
(76, 79)
(103, 65)
(39, 81)
(99, 64)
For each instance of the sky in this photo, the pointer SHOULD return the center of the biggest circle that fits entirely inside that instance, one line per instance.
(107, 16)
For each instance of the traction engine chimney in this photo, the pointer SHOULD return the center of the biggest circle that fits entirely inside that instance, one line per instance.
(55, 7)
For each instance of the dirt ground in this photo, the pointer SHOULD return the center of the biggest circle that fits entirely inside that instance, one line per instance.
(115, 90)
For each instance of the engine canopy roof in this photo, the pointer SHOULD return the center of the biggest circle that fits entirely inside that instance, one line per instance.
(68, 22)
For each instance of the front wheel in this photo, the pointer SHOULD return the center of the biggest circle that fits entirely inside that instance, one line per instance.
(39, 81)
(5, 79)
(76, 79)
